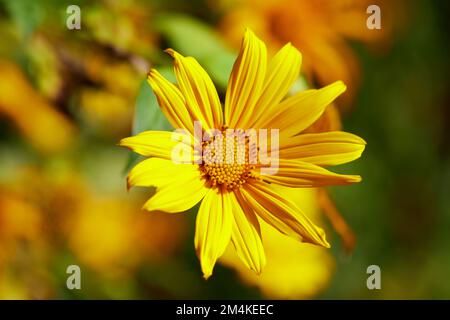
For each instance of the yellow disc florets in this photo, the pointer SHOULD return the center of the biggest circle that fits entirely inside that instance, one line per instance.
(227, 160)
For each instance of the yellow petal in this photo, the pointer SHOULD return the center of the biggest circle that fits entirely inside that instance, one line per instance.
(324, 149)
(282, 214)
(162, 144)
(213, 229)
(246, 81)
(160, 173)
(171, 101)
(282, 72)
(198, 90)
(246, 235)
(181, 190)
(303, 109)
(294, 270)
(332, 61)
(330, 120)
(299, 174)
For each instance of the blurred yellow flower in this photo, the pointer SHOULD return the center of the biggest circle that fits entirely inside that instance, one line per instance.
(110, 236)
(23, 249)
(294, 270)
(104, 231)
(37, 120)
(320, 29)
(101, 237)
(19, 221)
(235, 196)
(101, 107)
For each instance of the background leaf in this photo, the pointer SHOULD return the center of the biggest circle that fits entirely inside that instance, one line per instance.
(194, 38)
(147, 116)
(27, 15)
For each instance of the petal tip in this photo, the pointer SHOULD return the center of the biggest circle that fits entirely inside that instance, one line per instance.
(363, 142)
(170, 52)
(174, 54)
(124, 143)
(342, 87)
(249, 35)
(206, 270)
(323, 241)
(206, 276)
(153, 73)
(148, 206)
(247, 31)
(258, 270)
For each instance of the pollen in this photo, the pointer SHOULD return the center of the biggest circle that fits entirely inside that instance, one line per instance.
(228, 160)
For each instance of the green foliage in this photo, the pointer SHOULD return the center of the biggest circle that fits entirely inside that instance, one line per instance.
(194, 38)
(147, 116)
(26, 15)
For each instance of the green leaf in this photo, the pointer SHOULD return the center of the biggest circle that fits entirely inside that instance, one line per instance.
(167, 72)
(147, 116)
(193, 38)
(26, 15)
(300, 84)
(190, 35)
(219, 67)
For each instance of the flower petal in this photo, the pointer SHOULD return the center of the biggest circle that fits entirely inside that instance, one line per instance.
(324, 149)
(246, 234)
(181, 189)
(160, 144)
(213, 229)
(198, 90)
(246, 81)
(159, 173)
(283, 70)
(282, 214)
(298, 112)
(299, 174)
(171, 101)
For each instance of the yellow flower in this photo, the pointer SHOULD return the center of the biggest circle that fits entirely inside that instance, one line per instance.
(294, 270)
(236, 195)
(125, 240)
(24, 252)
(32, 114)
(321, 29)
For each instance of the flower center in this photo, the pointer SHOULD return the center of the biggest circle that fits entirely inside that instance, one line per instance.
(227, 161)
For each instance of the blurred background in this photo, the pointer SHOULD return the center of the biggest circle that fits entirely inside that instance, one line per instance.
(68, 96)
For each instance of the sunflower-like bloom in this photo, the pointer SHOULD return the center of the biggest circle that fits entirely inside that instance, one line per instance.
(236, 196)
